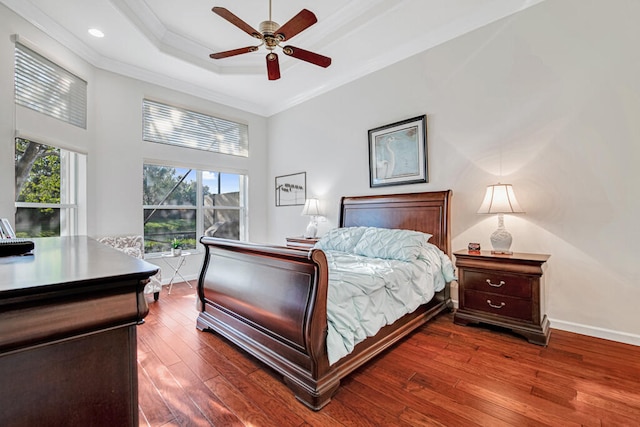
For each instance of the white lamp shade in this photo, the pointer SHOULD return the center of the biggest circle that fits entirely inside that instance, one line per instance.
(500, 198)
(311, 207)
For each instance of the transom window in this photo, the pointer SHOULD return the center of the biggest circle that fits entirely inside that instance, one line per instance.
(166, 124)
(44, 86)
(181, 204)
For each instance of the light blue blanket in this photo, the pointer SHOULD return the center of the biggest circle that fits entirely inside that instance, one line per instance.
(368, 292)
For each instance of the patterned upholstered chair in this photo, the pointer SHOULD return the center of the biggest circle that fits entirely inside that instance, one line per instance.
(133, 245)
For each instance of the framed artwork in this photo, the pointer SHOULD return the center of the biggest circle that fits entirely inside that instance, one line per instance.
(291, 190)
(398, 153)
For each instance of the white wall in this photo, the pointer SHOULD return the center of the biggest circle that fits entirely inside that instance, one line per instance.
(113, 141)
(547, 100)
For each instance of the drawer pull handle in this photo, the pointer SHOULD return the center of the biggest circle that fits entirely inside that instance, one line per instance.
(502, 304)
(499, 285)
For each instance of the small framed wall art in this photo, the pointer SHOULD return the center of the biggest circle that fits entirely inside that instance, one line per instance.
(291, 190)
(398, 153)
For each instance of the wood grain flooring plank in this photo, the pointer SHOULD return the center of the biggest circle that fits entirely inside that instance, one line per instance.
(394, 388)
(368, 406)
(271, 407)
(271, 383)
(153, 407)
(201, 366)
(530, 406)
(371, 396)
(184, 411)
(238, 403)
(159, 347)
(346, 415)
(419, 419)
(211, 407)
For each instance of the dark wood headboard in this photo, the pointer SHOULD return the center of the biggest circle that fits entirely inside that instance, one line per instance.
(426, 212)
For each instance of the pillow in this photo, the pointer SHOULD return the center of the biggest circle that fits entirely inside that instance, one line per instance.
(340, 239)
(403, 245)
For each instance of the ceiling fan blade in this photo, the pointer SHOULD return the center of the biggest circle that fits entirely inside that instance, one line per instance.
(234, 52)
(226, 14)
(305, 55)
(273, 66)
(303, 20)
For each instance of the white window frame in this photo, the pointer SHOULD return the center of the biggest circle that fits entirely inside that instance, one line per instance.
(199, 207)
(73, 178)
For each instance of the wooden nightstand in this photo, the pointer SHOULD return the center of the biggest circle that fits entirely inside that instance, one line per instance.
(301, 242)
(503, 290)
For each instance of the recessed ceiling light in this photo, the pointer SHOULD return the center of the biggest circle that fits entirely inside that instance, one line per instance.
(96, 32)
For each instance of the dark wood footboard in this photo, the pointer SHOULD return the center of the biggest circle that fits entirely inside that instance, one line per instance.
(272, 302)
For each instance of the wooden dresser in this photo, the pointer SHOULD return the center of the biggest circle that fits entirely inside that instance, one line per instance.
(503, 290)
(68, 316)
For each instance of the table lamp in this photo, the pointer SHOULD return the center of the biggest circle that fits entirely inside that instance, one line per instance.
(312, 209)
(500, 199)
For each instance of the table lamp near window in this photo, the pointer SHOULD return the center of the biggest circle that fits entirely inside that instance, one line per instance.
(500, 199)
(312, 209)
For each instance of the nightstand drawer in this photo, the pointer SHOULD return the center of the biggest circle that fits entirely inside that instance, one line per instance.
(499, 283)
(501, 305)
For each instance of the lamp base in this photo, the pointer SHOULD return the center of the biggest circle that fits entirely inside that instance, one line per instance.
(312, 230)
(501, 241)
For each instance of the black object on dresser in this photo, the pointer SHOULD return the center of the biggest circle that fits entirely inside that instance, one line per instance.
(503, 290)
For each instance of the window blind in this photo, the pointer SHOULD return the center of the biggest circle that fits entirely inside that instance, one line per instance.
(44, 86)
(166, 124)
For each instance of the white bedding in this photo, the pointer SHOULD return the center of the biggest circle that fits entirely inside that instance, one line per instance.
(366, 292)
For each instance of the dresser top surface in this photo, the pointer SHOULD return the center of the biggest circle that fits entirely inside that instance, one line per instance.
(67, 261)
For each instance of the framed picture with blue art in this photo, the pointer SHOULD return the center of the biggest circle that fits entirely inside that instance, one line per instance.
(398, 153)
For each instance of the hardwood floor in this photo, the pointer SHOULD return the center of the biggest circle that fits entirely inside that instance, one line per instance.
(443, 374)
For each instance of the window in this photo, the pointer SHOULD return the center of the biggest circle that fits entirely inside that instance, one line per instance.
(47, 190)
(166, 124)
(184, 204)
(43, 86)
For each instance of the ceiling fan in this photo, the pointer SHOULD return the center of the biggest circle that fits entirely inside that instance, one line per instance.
(272, 35)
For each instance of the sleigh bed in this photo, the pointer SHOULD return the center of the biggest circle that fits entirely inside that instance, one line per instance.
(272, 301)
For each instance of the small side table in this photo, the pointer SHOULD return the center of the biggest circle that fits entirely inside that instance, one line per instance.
(503, 290)
(176, 267)
(301, 242)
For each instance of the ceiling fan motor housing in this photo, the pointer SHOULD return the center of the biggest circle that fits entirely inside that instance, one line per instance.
(268, 28)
